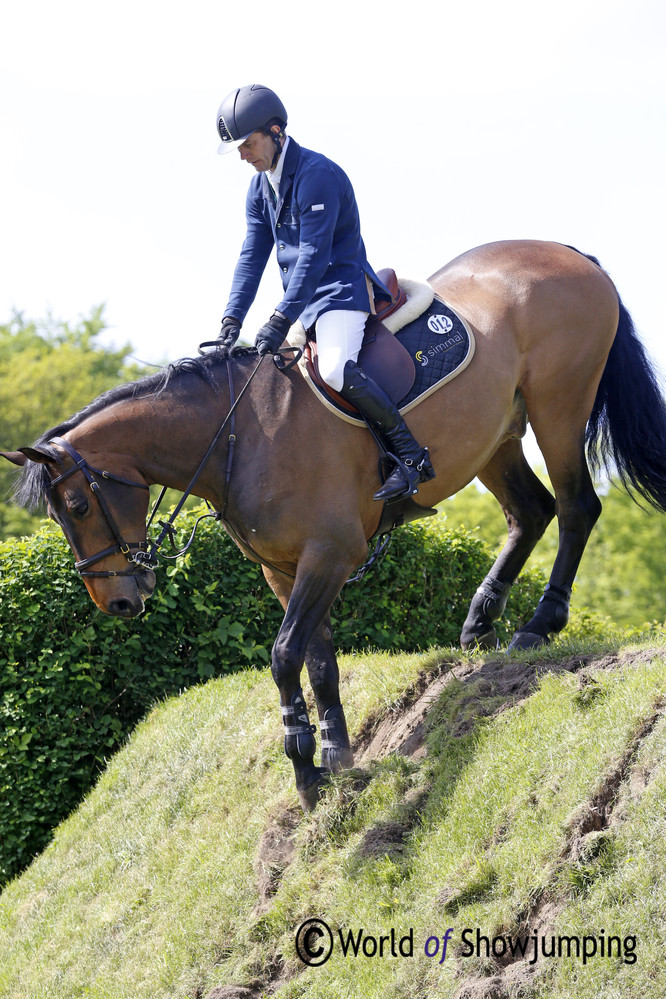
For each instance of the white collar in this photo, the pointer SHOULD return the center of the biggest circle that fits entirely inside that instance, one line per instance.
(275, 176)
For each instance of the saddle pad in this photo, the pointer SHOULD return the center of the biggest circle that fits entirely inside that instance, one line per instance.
(441, 344)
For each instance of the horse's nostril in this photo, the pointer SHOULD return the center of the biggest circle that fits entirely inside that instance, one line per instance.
(124, 608)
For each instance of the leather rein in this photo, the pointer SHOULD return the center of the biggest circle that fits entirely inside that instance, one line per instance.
(139, 554)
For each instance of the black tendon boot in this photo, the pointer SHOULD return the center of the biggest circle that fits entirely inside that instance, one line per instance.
(299, 746)
(336, 752)
(413, 464)
(298, 732)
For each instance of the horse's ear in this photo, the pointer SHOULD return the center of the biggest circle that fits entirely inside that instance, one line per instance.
(16, 457)
(35, 454)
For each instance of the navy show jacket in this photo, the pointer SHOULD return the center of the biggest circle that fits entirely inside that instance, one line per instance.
(316, 231)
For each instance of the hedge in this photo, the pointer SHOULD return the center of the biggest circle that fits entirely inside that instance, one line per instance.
(74, 682)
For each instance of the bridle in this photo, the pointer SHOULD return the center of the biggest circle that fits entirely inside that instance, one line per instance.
(144, 558)
(121, 546)
(140, 555)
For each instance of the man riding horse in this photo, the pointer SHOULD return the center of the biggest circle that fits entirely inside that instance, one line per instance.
(304, 204)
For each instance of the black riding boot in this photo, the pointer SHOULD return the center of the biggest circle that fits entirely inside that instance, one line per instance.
(413, 464)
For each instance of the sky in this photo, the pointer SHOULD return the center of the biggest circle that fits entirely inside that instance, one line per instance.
(458, 124)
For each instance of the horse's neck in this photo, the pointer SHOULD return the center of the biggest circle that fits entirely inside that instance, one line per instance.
(162, 438)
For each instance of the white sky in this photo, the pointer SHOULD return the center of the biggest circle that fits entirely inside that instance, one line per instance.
(458, 124)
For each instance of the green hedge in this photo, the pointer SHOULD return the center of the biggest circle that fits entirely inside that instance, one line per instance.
(74, 682)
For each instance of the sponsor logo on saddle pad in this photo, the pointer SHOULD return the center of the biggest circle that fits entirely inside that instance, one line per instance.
(424, 357)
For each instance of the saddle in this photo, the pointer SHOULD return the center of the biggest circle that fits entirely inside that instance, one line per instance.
(382, 356)
(384, 309)
(386, 360)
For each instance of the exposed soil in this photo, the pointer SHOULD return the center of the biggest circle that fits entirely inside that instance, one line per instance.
(275, 852)
(494, 686)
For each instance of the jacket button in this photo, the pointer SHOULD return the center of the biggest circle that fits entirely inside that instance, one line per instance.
(282, 246)
(285, 269)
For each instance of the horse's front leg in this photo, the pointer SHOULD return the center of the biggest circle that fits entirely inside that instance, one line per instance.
(322, 666)
(305, 634)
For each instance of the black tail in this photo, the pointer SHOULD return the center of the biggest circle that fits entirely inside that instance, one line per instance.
(626, 432)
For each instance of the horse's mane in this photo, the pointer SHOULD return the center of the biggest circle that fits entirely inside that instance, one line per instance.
(34, 478)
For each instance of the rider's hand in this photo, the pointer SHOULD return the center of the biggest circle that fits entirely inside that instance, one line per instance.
(230, 332)
(272, 333)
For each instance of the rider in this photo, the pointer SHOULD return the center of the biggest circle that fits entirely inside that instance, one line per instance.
(303, 204)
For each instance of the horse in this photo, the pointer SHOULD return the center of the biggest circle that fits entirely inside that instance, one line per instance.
(293, 484)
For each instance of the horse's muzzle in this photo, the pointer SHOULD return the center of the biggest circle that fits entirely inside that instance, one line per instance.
(130, 601)
(146, 582)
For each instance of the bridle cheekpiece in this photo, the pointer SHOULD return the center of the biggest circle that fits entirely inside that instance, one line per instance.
(121, 546)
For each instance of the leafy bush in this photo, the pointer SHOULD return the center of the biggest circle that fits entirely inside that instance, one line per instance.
(74, 682)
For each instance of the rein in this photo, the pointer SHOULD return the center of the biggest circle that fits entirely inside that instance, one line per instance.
(149, 558)
(137, 553)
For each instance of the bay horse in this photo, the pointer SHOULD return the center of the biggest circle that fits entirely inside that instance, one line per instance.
(554, 346)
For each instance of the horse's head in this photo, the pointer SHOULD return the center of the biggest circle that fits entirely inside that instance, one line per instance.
(103, 516)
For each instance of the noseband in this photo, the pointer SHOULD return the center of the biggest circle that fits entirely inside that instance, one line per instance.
(121, 546)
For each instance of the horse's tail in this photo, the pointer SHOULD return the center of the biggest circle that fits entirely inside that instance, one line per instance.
(626, 432)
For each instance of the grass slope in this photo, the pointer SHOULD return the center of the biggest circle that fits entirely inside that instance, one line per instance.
(519, 798)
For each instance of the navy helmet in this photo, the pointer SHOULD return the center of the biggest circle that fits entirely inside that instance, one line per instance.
(244, 111)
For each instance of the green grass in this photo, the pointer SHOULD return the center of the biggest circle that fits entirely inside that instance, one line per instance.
(151, 888)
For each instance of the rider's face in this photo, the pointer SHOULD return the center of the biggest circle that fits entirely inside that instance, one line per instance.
(259, 150)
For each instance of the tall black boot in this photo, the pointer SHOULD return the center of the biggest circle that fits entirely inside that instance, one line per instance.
(413, 464)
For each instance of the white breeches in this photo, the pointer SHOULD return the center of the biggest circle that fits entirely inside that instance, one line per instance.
(339, 339)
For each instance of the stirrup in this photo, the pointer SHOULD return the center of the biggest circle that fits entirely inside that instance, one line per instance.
(403, 481)
(406, 477)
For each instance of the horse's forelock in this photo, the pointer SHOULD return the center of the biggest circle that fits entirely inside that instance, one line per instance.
(32, 483)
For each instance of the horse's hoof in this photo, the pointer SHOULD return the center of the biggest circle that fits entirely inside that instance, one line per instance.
(488, 640)
(309, 796)
(527, 640)
(337, 760)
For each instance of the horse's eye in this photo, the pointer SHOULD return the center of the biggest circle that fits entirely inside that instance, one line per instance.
(80, 509)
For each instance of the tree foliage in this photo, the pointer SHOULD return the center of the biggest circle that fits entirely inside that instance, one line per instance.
(48, 370)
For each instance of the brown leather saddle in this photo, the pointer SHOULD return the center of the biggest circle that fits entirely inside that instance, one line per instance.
(385, 359)
(382, 356)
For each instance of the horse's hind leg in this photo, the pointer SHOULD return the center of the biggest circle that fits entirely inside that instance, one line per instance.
(578, 510)
(528, 508)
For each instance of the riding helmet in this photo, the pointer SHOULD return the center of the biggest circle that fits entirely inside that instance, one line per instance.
(244, 111)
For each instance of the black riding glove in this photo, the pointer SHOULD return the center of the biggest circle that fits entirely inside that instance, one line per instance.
(230, 331)
(271, 335)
